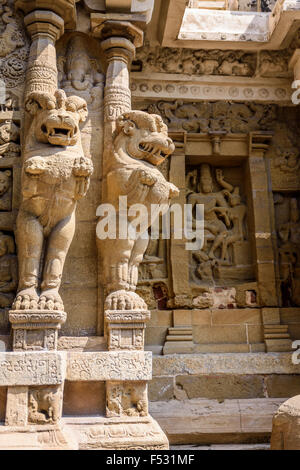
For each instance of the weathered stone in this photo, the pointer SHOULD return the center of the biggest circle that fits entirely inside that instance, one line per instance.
(161, 389)
(255, 363)
(285, 431)
(221, 387)
(84, 398)
(283, 386)
(202, 421)
(112, 365)
(35, 368)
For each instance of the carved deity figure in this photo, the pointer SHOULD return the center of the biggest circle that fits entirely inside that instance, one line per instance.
(55, 176)
(289, 253)
(224, 216)
(214, 202)
(9, 137)
(141, 143)
(235, 214)
(288, 161)
(8, 270)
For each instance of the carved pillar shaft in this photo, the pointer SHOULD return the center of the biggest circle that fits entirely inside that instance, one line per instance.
(44, 27)
(117, 95)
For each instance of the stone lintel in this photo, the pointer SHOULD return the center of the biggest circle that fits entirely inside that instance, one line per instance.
(109, 365)
(32, 368)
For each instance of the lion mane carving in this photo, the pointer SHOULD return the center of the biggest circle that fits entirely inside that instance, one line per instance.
(55, 176)
(140, 144)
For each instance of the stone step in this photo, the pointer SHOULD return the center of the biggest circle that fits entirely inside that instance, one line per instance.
(180, 331)
(179, 338)
(277, 335)
(205, 422)
(223, 447)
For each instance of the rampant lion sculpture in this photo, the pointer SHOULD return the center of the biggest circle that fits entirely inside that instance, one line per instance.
(140, 143)
(55, 175)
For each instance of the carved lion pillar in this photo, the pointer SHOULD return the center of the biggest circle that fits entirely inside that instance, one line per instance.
(55, 176)
(134, 144)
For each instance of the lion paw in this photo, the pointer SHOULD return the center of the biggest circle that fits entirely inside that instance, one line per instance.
(26, 299)
(124, 300)
(50, 300)
(174, 191)
(147, 178)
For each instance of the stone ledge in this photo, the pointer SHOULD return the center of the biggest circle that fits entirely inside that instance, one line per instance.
(109, 365)
(201, 421)
(227, 363)
(32, 368)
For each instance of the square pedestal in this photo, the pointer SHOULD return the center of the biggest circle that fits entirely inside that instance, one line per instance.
(36, 330)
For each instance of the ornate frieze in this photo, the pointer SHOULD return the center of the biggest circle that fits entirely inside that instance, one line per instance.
(214, 117)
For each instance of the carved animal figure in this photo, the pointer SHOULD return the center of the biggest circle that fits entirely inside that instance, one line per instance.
(8, 270)
(55, 176)
(44, 406)
(9, 135)
(141, 143)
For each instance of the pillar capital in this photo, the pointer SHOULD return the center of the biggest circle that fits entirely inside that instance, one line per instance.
(44, 23)
(110, 29)
(66, 9)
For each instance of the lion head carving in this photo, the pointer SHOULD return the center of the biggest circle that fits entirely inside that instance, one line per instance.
(5, 181)
(56, 117)
(144, 136)
(9, 132)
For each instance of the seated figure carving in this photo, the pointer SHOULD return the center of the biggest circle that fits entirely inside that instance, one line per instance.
(141, 143)
(55, 176)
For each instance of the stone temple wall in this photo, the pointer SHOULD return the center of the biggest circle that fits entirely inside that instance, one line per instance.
(221, 318)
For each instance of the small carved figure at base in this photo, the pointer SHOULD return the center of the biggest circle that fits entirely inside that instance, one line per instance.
(44, 406)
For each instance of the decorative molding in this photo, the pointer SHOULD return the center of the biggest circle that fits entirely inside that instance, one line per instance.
(178, 87)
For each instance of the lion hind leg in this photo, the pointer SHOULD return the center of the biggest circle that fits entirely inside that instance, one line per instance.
(30, 240)
(136, 258)
(59, 242)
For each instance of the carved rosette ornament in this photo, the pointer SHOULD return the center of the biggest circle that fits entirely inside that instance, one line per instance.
(55, 176)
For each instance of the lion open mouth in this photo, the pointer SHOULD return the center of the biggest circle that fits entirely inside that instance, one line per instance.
(155, 153)
(63, 135)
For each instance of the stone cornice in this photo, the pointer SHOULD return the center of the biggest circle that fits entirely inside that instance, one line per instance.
(177, 86)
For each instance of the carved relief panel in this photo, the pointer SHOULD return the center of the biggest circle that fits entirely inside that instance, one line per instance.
(126, 399)
(287, 224)
(225, 257)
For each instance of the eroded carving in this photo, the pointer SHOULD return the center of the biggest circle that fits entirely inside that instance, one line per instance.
(199, 62)
(8, 270)
(215, 117)
(288, 233)
(13, 47)
(126, 399)
(44, 405)
(5, 190)
(9, 139)
(80, 74)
